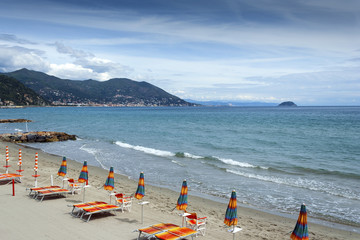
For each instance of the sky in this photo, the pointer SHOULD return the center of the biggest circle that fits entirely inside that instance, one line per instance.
(303, 51)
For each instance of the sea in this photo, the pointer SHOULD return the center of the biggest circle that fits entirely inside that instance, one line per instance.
(275, 158)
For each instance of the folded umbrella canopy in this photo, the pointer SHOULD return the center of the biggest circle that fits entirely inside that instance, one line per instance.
(182, 200)
(301, 230)
(63, 168)
(140, 191)
(84, 174)
(231, 211)
(109, 183)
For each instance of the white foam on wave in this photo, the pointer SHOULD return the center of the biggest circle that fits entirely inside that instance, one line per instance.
(189, 155)
(94, 152)
(147, 150)
(236, 163)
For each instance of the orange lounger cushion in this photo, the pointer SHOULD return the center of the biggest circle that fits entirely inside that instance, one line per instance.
(176, 233)
(9, 176)
(158, 228)
(88, 204)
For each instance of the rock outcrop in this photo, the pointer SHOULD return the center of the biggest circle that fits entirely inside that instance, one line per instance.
(31, 137)
(14, 120)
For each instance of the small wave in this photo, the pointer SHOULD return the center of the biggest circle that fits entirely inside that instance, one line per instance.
(147, 150)
(173, 161)
(301, 183)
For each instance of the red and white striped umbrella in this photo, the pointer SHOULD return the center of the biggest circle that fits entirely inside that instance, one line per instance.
(36, 169)
(7, 159)
(20, 162)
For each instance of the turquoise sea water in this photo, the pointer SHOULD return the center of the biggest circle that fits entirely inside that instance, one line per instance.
(275, 158)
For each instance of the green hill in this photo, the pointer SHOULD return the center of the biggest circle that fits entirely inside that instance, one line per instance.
(117, 91)
(14, 92)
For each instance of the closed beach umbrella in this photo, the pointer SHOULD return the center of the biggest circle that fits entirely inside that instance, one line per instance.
(7, 159)
(182, 200)
(109, 184)
(84, 174)
(231, 211)
(20, 162)
(36, 169)
(301, 230)
(140, 191)
(63, 168)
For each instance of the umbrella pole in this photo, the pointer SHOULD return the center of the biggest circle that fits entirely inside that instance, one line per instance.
(84, 195)
(233, 232)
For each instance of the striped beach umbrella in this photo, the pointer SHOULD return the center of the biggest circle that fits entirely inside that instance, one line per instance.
(63, 168)
(140, 191)
(84, 174)
(109, 184)
(36, 175)
(301, 229)
(7, 159)
(182, 200)
(231, 211)
(20, 163)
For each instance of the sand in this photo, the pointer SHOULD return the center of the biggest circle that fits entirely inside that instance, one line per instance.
(22, 217)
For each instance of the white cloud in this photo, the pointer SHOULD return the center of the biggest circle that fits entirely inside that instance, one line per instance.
(14, 57)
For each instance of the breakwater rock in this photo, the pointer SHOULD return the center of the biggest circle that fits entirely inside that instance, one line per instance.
(31, 137)
(14, 120)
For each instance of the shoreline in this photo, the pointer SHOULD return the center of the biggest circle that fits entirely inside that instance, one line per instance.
(291, 216)
(256, 224)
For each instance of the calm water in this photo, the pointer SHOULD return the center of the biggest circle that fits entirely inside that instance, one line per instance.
(275, 158)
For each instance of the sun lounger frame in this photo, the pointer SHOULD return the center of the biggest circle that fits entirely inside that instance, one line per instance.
(90, 208)
(51, 192)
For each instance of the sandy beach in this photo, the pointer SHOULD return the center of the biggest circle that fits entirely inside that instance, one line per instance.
(25, 218)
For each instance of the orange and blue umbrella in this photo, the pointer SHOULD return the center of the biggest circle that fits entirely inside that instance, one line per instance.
(182, 200)
(231, 211)
(84, 174)
(301, 229)
(63, 168)
(140, 191)
(109, 184)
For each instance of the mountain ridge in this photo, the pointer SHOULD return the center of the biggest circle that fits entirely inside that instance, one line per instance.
(113, 92)
(13, 92)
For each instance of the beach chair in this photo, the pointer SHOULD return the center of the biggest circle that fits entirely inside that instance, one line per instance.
(124, 202)
(102, 208)
(176, 234)
(7, 177)
(34, 190)
(51, 192)
(195, 223)
(79, 206)
(75, 186)
(150, 231)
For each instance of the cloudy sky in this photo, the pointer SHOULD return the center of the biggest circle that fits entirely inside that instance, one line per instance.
(305, 51)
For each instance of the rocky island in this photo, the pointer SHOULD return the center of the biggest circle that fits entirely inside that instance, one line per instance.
(287, 104)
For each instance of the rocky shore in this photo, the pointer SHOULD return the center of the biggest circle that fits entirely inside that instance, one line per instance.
(14, 120)
(31, 137)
